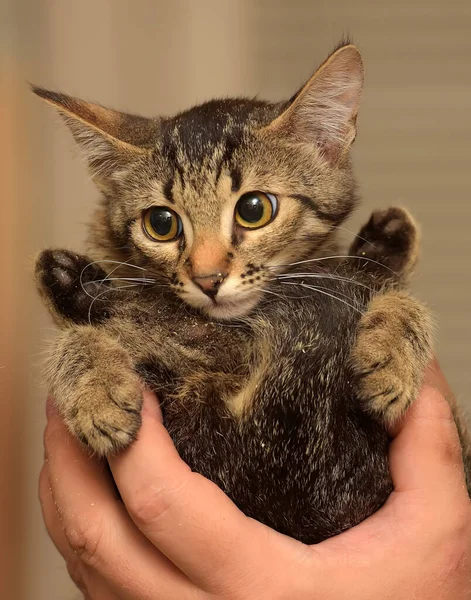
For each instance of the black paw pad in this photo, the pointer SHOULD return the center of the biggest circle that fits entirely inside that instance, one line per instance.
(389, 238)
(73, 284)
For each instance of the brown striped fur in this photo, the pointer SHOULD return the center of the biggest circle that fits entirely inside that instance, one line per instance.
(279, 383)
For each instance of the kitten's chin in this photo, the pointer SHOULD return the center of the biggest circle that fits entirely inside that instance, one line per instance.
(225, 309)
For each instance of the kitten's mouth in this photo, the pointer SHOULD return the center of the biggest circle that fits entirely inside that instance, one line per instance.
(224, 307)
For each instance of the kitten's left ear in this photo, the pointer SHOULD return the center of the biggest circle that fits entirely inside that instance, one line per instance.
(110, 140)
(324, 111)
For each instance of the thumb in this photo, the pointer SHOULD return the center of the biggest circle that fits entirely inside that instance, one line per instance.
(151, 406)
(426, 452)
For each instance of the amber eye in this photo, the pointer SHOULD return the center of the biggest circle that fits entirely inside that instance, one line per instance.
(162, 224)
(255, 209)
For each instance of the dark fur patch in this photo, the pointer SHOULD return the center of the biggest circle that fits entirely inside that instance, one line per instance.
(71, 282)
(197, 131)
(168, 193)
(236, 177)
(333, 218)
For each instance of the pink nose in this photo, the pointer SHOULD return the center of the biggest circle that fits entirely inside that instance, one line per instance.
(210, 284)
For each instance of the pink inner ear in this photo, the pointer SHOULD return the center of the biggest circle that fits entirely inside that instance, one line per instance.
(334, 122)
(324, 112)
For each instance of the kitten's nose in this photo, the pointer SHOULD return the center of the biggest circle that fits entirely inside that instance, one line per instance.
(210, 284)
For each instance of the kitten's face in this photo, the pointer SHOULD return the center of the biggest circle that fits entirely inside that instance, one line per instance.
(219, 228)
(223, 197)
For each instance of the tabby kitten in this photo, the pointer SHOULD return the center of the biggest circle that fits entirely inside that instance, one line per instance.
(209, 279)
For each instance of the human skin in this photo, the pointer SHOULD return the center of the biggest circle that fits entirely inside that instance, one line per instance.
(176, 536)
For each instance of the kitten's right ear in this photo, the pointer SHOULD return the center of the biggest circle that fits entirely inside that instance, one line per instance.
(110, 140)
(324, 111)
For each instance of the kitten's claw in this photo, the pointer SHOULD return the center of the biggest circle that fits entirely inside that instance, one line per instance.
(72, 285)
(391, 238)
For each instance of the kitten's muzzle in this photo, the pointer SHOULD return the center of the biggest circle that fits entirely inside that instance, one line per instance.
(210, 284)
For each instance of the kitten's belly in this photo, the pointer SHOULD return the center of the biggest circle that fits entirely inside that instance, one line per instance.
(274, 478)
(303, 458)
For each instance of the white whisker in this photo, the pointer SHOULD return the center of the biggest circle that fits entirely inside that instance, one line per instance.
(102, 294)
(322, 291)
(283, 276)
(317, 287)
(282, 296)
(355, 235)
(320, 259)
(116, 262)
(144, 280)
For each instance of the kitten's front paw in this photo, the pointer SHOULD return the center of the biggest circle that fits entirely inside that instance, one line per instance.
(391, 238)
(105, 413)
(71, 285)
(96, 388)
(393, 347)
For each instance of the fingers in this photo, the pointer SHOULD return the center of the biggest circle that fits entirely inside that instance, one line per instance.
(185, 515)
(426, 452)
(52, 520)
(88, 582)
(96, 527)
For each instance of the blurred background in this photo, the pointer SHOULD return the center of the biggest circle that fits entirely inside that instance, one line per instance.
(158, 57)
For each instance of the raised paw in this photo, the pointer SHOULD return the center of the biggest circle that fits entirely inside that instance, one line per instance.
(107, 417)
(72, 285)
(393, 347)
(390, 238)
(96, 389)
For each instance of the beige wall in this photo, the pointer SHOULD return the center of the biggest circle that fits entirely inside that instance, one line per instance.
(157, 57)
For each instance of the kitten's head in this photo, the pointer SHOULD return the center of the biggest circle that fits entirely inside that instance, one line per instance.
(222, 197)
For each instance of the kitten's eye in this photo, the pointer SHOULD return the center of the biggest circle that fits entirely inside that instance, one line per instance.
(162, 224)
(255, 209)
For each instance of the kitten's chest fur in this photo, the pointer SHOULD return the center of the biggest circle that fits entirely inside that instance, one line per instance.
(216, 208)
(232, 408)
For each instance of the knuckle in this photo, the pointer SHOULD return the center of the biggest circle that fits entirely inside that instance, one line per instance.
(448, 448)
(85, 539)
(151, 504)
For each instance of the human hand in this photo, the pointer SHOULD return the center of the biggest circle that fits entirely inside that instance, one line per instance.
(177, 536)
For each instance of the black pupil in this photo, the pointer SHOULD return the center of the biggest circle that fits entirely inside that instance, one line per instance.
(161, 221)
(251, 209)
